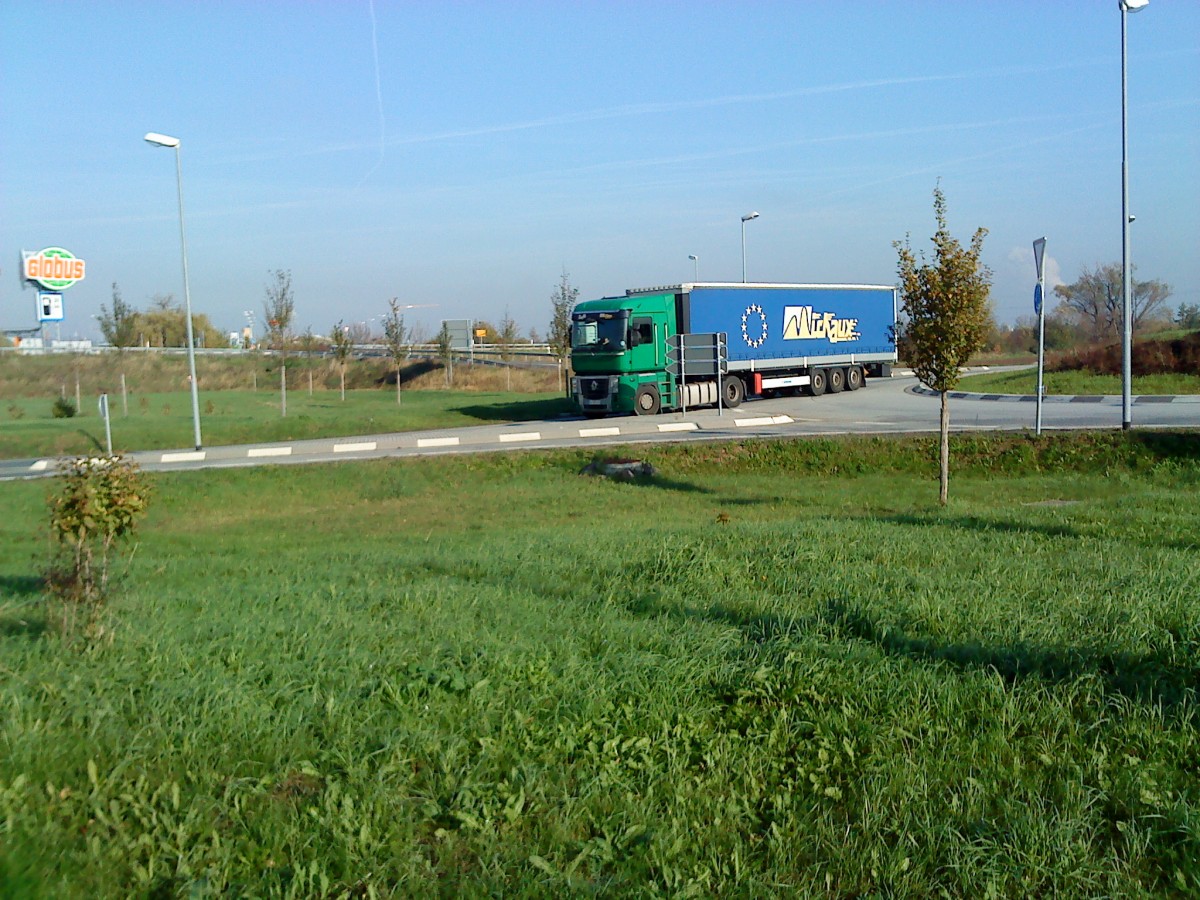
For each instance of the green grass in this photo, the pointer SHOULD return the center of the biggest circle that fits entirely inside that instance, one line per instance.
(775, 669)
(1077, 382)
(164, 421)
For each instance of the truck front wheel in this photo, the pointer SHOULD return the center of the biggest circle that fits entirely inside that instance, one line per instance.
(647, 402)
(735, 391)
(837, 380)
(817, 382)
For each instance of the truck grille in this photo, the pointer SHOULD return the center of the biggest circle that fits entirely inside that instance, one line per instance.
(593, 387)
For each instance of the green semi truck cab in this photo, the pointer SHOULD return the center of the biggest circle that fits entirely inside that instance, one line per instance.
(619, 354)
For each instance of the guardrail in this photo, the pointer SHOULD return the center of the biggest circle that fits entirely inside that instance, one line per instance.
(490, 351)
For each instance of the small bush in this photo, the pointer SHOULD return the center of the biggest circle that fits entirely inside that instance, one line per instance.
(63, 409)
(99, 503)
(15, 411)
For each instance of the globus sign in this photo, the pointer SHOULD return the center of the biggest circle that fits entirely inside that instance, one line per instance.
(53, 268)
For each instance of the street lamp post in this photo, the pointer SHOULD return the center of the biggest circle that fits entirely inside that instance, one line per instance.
(162, 140)
(695, 266)
(1127, 6)
(746, 218)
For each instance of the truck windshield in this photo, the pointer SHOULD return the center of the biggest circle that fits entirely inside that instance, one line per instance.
(599, 331)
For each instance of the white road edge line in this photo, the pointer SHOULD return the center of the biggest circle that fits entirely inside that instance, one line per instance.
(599, 432)
(187, 456)
(437, 442)
(762, 420)
(354, 448)
(523, 436)
(678, 426)
(269, 451)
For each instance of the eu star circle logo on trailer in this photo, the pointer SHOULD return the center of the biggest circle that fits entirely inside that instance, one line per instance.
(752, 310)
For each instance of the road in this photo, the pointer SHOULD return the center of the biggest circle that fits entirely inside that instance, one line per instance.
(895, 406)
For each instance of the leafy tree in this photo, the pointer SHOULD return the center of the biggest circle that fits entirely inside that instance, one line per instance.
(1095, 301)
(562, 302)
(119, 327)
(1060, 333)
(946, 315)
(395, 336)
(1188, 316)
(164, 324)
(343, 344)
(98, 504)
(280, 308)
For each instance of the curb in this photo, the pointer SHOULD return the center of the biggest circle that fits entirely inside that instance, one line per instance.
(298, 450)
(1104, 399)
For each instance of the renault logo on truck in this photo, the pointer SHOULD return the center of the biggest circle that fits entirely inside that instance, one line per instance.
(54, 268)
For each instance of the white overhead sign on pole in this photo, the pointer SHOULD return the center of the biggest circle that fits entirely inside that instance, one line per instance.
(49, 306)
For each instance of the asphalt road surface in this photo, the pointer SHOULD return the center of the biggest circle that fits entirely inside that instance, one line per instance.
(894, 406)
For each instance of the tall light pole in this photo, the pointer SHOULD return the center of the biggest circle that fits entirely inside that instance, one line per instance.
(162, 140)
(696, 266)
(746, 218)
(1127, 6)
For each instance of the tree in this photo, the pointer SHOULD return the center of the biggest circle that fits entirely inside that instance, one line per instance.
(164, 324)
(946, 315)
(343, 344)
(98, 505)
(506, 337)
(119, 327)
(1187, 316)
(280, 307)
(562, 303)
(445, 347)
(359, 332)
(1095, 301)
(394, 336)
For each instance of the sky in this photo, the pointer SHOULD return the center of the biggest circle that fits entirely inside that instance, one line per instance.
(461, 156)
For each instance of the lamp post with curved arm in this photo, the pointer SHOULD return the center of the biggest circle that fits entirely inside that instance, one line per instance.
(163, 140)
(746, 218)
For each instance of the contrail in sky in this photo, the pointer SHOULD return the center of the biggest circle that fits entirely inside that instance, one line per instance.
(639, 109)
(378, 96)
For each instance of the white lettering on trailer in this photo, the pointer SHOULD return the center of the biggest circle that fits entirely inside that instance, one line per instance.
(802, 323)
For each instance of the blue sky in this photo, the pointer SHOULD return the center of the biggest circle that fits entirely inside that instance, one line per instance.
(463, 154)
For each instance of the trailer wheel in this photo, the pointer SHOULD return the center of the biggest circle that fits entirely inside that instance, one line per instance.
(735, 391)
(837, 380)
(647, 402)
(817, 382)
(854, 378)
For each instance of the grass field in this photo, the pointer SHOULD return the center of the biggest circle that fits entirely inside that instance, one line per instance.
(164, 421)
(1077, 382)
(240, 401)
(774, 669)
